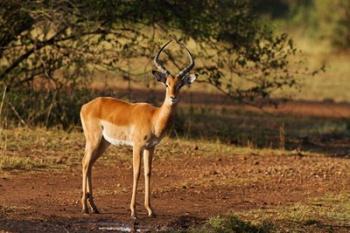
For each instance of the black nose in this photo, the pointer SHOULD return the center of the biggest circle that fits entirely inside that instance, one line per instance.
(172, 97)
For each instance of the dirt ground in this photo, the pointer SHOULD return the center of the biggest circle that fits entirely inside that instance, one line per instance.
(187, 188)
(186, 191)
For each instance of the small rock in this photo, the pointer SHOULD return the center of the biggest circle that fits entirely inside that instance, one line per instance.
(213, 173)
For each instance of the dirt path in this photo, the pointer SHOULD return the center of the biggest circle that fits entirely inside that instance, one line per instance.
(186, 191)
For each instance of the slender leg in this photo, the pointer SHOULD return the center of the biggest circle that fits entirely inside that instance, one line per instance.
(90, 197)
(101, 148)
(136, 170)
(92, 132)
(147, 163)
(85, 165)
(95, 145)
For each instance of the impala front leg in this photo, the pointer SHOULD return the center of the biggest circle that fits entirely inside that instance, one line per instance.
(147, 163)
(136, 173)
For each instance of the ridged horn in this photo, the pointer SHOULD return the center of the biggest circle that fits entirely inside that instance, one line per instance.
(183, 72)
(158, 63)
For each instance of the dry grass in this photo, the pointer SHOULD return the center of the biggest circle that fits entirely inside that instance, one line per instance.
(23, 148)
(38, 148)
(330, 213)
(20, 163)
(330, 210)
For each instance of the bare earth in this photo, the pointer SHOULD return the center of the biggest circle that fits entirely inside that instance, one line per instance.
(186, 191)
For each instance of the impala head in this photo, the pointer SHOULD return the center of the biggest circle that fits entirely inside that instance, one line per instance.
(173, 83)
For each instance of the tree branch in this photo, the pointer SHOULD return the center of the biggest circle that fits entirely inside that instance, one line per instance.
(30, 52)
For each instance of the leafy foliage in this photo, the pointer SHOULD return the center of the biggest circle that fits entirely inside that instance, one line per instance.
(63, 41)
(317, 17)
(341, 36)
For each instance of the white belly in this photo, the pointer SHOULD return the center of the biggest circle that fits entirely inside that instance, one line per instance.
(116, 142)
(116, 135)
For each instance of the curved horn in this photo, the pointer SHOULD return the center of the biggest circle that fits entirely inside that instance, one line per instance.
(189, 67)
(158, 63)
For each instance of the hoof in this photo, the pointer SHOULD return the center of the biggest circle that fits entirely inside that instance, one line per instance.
(152, 215)
(133, 217)
(84, 211)
(95, 211)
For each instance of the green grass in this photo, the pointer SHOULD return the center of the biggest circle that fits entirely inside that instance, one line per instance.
(233, 223)
(330, 213)
(330, 210)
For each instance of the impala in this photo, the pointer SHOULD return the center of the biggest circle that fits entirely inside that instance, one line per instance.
(106, 121)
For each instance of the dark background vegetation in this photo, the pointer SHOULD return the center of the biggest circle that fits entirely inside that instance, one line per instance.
(51, 51)
(324, 19)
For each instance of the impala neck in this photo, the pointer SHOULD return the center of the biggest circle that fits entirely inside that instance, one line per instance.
(163, 117)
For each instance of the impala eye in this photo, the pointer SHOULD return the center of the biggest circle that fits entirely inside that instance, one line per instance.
(179, 86)
(166, 85)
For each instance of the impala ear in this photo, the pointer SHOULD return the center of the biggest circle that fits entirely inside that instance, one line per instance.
(159, 76)
(189, 79)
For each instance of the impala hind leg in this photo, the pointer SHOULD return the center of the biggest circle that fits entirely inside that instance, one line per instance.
(95, 146)
(86, 174)
(92, 153)
(85, 164)
(101, 148)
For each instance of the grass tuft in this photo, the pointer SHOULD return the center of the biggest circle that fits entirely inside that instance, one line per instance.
(235, 224)
(18, 163)
(330, 209)
(232, 224)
